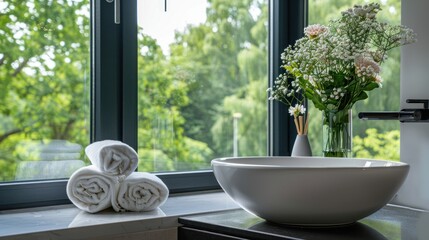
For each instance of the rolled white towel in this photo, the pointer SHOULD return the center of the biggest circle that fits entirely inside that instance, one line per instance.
(113, 157)
(141, 191)
(90, 190)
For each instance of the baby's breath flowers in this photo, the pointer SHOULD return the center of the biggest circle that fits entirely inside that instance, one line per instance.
(288, 96)
(335, 66)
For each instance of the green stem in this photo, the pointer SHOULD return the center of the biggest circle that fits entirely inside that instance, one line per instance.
(337, 133)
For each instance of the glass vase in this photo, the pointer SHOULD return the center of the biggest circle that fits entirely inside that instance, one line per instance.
(337, 133)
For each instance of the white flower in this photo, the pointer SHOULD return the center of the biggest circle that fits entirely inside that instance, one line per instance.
(378, 80)
(296, 110)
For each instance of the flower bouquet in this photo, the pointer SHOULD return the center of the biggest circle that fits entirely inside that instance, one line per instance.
(335, 66)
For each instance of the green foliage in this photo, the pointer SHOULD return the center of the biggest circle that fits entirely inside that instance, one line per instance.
(219, 59)
(7, 166)
(252, 125)
(44, 74)
(45, 88)
(163, 91)
(377, 145)
(154, 160)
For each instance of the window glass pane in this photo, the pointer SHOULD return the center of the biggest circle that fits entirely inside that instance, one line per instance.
(44, 93)
(372, 139)
(202, 82)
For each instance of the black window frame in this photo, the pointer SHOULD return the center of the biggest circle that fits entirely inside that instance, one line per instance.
(114, 96)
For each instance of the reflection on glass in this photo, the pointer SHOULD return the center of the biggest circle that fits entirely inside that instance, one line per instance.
(354, 231)
(44, 93)
(372, 139)
(391, 230)
(198, 70)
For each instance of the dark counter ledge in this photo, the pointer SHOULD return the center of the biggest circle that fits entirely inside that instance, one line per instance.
(201, 214)
(390, 223)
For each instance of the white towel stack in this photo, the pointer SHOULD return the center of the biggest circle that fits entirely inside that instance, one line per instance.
(112, 182)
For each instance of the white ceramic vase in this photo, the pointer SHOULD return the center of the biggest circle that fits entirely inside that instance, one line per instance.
(301, 147)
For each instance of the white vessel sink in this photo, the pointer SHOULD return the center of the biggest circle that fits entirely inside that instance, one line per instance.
(310, 191)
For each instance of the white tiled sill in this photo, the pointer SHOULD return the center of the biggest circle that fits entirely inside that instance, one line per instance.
(68, 222)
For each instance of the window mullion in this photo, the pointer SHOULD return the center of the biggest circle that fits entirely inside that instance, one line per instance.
(106, 87)
(287, 19)
(129, 73)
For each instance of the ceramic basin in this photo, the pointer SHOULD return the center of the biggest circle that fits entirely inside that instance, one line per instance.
(310, 191)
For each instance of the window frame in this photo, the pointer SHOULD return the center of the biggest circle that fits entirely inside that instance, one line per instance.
(113, 58)
(286, 21)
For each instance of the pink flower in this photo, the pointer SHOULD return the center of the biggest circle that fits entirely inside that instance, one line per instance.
(315, 30)
(366, 66)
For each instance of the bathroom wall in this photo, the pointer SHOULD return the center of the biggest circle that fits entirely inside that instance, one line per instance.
(415, 84)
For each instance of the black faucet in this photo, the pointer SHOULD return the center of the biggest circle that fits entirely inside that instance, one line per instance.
(405, 115)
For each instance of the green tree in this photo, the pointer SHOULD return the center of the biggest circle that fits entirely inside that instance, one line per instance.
(222, 58)
(163, 145)
(377, 145)
(249, 100)
(44, 69)
(251, 103)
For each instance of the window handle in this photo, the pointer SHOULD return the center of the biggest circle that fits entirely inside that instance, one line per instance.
(117, 10)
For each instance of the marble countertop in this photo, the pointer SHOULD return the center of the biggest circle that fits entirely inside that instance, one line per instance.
(65, 221)
(389, 223)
